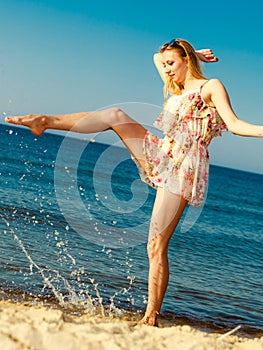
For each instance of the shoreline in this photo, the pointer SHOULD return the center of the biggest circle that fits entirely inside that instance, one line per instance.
(36, 327)
(166, 319)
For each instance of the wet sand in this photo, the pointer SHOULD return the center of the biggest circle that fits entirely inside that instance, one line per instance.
(23, 326)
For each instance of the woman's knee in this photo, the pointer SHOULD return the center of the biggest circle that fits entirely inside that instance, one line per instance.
(156, 249)
(115, 116)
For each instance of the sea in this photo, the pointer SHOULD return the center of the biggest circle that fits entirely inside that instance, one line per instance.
(74, 223)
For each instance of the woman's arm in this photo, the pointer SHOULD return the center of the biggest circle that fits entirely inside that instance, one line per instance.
(219, 97)
(159, 65)
(205, 55)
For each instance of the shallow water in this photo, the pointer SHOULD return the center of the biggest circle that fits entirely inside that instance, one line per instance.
(74, 221)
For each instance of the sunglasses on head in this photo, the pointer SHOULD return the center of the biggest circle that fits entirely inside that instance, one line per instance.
(173, 42)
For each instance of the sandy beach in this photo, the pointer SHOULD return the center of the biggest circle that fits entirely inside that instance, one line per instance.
(23, 326)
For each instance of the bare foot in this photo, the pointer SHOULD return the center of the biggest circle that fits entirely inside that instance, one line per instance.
(36, 123)
(150, 319)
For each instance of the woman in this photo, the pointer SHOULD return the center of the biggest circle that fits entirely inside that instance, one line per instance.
(176, 165)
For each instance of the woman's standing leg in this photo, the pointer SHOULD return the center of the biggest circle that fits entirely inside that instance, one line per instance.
(167, 211)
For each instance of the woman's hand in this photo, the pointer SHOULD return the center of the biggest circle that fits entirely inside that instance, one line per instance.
(206, 55)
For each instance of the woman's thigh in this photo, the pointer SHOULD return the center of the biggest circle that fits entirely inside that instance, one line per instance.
(167, 212)
(132, 134)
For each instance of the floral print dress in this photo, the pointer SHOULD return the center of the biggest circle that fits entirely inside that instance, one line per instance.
(179, 162)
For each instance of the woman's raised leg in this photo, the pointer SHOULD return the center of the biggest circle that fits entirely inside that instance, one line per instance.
(167, 211)
(131, 132)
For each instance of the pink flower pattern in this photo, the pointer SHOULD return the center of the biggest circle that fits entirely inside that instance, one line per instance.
(179, 161)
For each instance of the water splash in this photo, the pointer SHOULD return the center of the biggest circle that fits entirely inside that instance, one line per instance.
(72, 298)
(46, 280)
(122, 291)
(36, 208)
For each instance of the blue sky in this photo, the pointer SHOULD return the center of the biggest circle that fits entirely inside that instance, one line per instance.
(66, 56)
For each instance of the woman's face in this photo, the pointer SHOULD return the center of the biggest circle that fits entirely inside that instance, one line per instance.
(175, 66)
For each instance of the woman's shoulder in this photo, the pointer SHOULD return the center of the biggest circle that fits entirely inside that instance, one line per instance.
(213, 88)
(212, 83)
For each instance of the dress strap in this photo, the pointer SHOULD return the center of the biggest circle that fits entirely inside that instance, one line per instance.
(200, 91)
(201, 87)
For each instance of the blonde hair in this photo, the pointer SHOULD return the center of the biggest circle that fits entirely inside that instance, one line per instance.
(185, 50)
